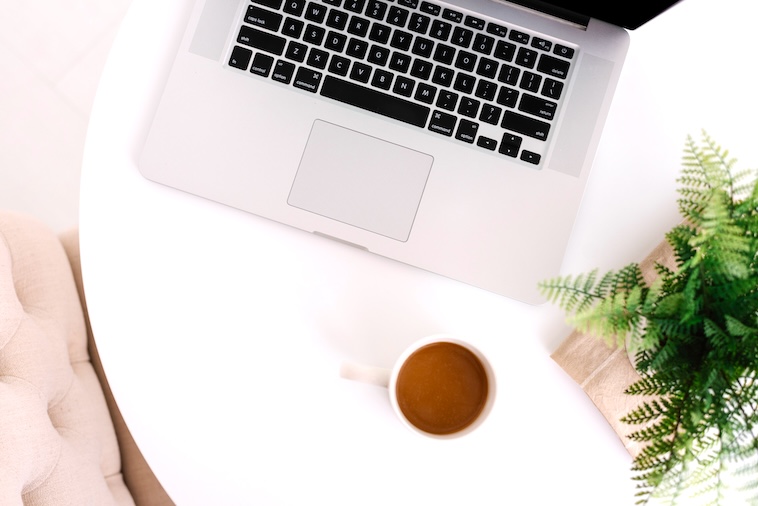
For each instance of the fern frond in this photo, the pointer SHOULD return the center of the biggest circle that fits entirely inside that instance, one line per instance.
(679, 238)
(651, 385)
(571, 293)
(613, 318)
(656, 431)
(648, 412)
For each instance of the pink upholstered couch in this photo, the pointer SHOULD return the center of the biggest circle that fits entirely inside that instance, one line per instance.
(62, 439)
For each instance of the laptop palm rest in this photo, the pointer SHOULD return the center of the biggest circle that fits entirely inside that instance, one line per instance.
(360, 180)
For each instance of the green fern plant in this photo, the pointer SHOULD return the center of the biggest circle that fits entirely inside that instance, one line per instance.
(694, 334)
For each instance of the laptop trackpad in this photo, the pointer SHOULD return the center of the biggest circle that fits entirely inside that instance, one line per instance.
(360, 180)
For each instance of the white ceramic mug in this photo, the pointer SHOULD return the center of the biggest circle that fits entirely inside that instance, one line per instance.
(441, 386)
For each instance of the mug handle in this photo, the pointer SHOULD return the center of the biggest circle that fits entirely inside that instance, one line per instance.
(379, 376)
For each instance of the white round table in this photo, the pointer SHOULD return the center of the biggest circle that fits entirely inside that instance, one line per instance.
(222, 333)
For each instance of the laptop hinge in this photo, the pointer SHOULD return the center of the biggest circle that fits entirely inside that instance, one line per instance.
(550, 11)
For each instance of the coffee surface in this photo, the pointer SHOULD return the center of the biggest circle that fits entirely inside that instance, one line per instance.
(442, 388)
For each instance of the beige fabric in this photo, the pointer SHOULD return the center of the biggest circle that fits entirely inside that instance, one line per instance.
(605, 372)
(57, 442)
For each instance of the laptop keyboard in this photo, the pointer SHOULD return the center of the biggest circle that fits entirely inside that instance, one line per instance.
(493, 86)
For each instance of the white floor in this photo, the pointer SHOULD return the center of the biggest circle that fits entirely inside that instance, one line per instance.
(51, 56)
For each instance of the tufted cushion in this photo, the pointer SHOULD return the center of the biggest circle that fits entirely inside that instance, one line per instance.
(57, 441)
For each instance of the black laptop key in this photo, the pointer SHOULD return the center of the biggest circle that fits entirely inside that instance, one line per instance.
(283, 71)
(339, 65)
(429, 8)
(378, 55)
(263, 18)
(509, 75)
(464, 83)
(505, 50)
(360, 72)
(397, 16)
(404, 86)
(425, 93)
(490, 114)
(317, 58)
(294, 7)
(543, 44)
(307, 79)
(382, 79)
(443, 76)
(314, 34)
(520, 37)
(335, 41)
(510, 145)
(354, 5)
(552, 89)
(442, 123)
(487, 68)
(486, 90)
(497, 30)
(261, 40)
(379, 33)
(553, 66)
(539, 107)
(530, 157)
(507, 97)
(483, 44)
(423, 47)
(358, 26)
(240, 57)
(474, 22)
(486, 143)
(400, 62)
(357, 48)
(526, 57)
(530, 81)
(468, 107)
(444, 54)
(376, 9)
(564, 51)
(465, 61)
(467, 131)
(315, 12)
(462, 37)
(421, 69)
(296, 51)
(447, 100)
(401, 40)
(419, 23)
(452, 15)
(375, 101)
(293, 28)
(525, 125)
(337, 19)
(440, 30)
(262, 64)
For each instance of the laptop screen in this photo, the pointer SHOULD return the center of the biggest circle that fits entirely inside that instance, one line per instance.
(629, 15)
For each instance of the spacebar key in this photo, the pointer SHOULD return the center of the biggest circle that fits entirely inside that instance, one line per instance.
(375, 101)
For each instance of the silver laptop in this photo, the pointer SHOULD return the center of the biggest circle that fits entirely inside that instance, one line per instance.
(456, 136)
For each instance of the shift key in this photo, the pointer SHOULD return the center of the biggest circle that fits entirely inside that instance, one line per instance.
(261, 40)
(525, 125)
